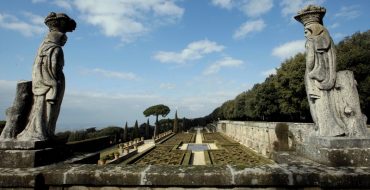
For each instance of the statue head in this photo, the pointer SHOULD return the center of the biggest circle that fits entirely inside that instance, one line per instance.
(314, 29)
(311, 14)
(60, 22)
(312, 19)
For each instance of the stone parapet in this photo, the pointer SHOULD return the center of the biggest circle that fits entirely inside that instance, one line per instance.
(273, 175)
(24, 145)
(32, 158)
(337, 151)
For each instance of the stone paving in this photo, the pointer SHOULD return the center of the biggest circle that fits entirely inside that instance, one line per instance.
(147, 145)
(198, 156)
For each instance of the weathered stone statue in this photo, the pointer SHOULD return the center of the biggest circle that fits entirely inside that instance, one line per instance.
(48, 85)
(332, 95)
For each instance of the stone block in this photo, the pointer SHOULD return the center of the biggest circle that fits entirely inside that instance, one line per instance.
(337, 151)
(32, 158)
(340, 142)
(24, 145)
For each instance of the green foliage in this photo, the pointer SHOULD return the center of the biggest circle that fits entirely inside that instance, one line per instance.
(136, 133)
(239, 106)
(125, 133)
(176, 124)
(77, 136)
(157, 110)
(110, 131)
(291, 90)
(113, 131)
(228, 109)
(63, 135)
(147, 130)
(267, 99)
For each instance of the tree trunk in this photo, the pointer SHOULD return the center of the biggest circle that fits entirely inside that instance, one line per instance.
(17, 115)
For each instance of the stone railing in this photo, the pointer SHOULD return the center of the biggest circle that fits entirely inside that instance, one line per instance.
(131, 144)
(162, 136)
(262, 137)
(125, 151)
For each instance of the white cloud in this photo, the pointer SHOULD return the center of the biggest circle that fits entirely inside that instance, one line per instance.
(63, 3)
(255, 8)
(128, 19)
(348, 13)
(289, 49)
(168, 86)
(35, 19)
(226, 4)
(203, 104)
(38, 1)
(269, 72)
(33, 26)
(225, 62)
(291, 7)
(334, 25)
(249, 27)
(193, 51)
(251, 8)
(113, 74)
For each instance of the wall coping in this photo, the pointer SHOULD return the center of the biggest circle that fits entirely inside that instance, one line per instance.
(273, 175)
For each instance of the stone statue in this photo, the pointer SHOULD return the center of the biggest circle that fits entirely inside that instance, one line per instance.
(332, 95)
(48, 83)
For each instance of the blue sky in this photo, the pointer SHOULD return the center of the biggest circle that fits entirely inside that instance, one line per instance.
(192, 55)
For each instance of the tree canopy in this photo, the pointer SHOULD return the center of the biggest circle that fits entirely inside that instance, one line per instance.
(157, 110)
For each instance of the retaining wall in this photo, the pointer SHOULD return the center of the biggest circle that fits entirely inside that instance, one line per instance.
(261, 136)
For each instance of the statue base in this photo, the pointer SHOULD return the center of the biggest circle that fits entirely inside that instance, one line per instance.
(337, 151)
(24, 154)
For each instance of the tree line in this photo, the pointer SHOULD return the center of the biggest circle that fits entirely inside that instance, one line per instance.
(126, 133)
(282, 96)
(117, 134)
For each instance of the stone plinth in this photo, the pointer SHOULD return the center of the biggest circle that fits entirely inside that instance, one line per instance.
(337, 151)
(23, 145)
(23, 154)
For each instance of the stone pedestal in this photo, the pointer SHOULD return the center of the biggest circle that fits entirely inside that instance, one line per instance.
(24, 154)
(337, 151)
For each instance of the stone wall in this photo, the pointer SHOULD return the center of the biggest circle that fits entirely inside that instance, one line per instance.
(262, 137)
(90, 145)
(86, 176)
